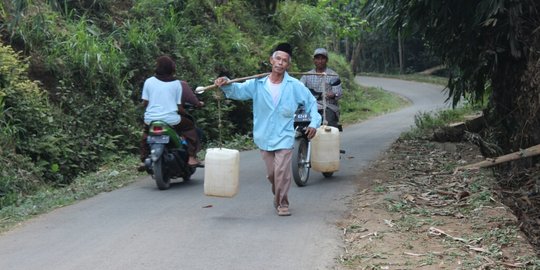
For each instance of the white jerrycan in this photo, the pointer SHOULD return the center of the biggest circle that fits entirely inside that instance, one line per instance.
(221, 172)
(325, 149)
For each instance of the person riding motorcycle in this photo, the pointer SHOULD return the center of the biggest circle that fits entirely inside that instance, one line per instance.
(318, 83)
(162, 100)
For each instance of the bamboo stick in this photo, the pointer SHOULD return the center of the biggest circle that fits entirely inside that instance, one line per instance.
(524, 153)
(202, 89)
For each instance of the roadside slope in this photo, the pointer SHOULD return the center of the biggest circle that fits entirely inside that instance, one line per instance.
(411, 212)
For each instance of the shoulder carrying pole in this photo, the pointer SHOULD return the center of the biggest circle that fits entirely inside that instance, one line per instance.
(202, 89)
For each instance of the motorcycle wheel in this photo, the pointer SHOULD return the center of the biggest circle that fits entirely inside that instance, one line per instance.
(300, 169)
(161, 177)
(328, 174)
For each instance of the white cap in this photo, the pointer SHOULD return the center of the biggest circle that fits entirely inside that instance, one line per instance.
(320, 51)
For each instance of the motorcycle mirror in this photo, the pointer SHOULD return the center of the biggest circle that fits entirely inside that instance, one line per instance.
(335, 82)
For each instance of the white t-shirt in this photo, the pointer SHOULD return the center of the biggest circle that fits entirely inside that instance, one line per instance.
(274, 91)
(163, 99)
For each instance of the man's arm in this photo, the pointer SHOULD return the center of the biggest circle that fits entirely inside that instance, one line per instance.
(337, 91)
(181, 110)
(188, 96)
(238, 91)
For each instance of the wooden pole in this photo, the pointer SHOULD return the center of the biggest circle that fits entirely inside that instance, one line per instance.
(202, 89)
(529, 152)
(312, 73)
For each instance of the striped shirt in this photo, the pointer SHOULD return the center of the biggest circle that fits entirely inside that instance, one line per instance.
(320, 83)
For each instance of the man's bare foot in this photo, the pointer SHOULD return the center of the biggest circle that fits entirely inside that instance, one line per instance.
(192, 161)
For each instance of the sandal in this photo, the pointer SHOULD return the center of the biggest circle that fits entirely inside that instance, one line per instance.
(198, 164)
(283, 211)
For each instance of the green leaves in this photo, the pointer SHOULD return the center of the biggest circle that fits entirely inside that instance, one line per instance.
(472, 37)
(305, 27)
(346, 17)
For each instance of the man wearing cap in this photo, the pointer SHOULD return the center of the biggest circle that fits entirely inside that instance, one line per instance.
(275, 100)
(321, 83)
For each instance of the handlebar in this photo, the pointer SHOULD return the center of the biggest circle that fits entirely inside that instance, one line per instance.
(318, 95)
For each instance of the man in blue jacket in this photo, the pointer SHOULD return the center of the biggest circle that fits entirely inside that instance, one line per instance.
(275, 100)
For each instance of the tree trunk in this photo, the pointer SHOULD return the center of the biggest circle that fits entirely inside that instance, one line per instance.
(335, 43)
(527, 102)
(347, 49)
(515, 106)
(355, 58)
(400, 52)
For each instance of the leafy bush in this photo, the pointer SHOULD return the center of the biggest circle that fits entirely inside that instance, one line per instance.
(18, 177)
(24, 113)
(426, 122)
(304, 26)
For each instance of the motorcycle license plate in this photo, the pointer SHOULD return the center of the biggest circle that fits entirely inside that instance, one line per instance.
(158, 139)
(301, 117)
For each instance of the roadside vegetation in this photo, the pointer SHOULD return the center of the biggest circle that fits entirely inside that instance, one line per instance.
(412, 211)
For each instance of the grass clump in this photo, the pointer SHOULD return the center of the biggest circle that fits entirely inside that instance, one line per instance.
(427, 122)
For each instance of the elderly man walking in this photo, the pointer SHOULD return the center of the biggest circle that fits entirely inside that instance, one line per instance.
(275, 100)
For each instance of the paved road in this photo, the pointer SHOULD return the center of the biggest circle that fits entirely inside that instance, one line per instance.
(140, 227)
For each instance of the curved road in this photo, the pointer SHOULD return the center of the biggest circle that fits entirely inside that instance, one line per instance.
(140, 227)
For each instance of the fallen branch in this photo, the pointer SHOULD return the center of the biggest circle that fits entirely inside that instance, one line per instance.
(422, 254)
(524, 153)
(454, 132)
(389, 223)
(415, 254)
(513, 265)
(483, 250)
(369, 234)
(439, 232)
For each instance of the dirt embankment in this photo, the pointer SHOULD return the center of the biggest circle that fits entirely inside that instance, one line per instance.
(415, 213)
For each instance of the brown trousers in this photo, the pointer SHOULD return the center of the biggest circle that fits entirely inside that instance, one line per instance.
(186, 127)
(278, 172)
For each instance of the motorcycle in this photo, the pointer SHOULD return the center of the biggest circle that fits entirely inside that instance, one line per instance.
(301, 163)
(168, 157)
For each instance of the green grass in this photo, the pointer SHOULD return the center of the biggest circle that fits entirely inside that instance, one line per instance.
(361, 103)
(427, 122)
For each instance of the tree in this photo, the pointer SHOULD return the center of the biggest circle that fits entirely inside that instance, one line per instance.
(348, 27)
(489, 46)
